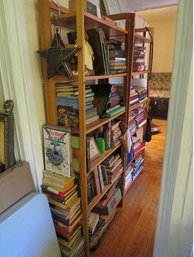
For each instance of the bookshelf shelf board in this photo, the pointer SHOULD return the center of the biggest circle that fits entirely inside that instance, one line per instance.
(97, 198)
(141, 39)
(103, 156)
(98, 123)
(138, 104)
(140, 72)
(95, 77)
(91, 21)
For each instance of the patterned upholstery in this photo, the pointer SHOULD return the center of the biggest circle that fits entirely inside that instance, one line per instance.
(160, 84)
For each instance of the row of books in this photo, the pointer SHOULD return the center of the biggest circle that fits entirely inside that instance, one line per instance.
(103, 175)
(133, 170)
(139, 58)
(117, 59)
(137, 94)
(109, 58)
(68, 105)
(107, 99)
(137, 119)
(98, 227)
(65, 208)
(103, 214)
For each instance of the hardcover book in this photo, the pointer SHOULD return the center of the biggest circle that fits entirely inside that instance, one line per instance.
(57, 151)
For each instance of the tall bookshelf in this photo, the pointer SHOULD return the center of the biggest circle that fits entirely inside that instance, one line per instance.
(80, 21)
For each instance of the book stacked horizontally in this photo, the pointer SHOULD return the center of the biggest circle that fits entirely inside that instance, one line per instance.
(140, 116)
(107, 100)
(66, 211)
(115, 132)
(117, 59)
(113, 166)
(109, 201)
(132, 124)
(68, 105)
(137, 145)
(139, 58)
(134, 97)
(99, 227)
(95, 223)
(137, 165)
(128, 177)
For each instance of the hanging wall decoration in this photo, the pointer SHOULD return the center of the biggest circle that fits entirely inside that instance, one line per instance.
(59, 57)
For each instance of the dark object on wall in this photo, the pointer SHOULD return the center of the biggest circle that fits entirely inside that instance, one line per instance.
(159, 107)
(58, 57)
(7, 158)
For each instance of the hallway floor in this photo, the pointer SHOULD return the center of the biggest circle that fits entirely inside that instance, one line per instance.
(132, 233)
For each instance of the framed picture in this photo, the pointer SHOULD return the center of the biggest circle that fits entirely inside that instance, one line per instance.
(94, 150)
(7, 158)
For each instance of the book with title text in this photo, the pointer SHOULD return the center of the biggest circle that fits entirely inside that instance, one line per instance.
(57, 150)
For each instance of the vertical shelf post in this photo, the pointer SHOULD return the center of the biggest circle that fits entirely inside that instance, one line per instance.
(80, 10)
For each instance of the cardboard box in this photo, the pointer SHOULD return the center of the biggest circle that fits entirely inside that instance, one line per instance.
(15, 183)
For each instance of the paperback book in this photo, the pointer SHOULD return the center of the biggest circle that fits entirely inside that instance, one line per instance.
(57, 151)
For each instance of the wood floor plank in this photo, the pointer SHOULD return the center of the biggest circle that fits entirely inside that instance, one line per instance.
(132, 233)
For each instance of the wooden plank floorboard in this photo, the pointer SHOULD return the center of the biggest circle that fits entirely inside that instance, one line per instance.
(132, 233)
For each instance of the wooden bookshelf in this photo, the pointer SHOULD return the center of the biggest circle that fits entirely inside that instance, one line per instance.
(79, 22)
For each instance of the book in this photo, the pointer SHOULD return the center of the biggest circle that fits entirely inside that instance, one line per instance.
(115, 111)
(57, 150)
(93, 221)
(111, 205)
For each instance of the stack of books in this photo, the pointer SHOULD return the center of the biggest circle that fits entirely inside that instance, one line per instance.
(113, 166)
(103, 225)
(107, 100)
(109, 202)
(137, 145)
(131, 125)
(137, 165)
(128, 177)
(95, 223)
(66, 211)
(140, 116)
(68, 105)
(139, 58)
(140, 86)
(134, 97)
(115, 133)
(117, 59)
(142, 92)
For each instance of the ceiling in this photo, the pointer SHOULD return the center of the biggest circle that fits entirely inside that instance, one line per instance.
(139, 5)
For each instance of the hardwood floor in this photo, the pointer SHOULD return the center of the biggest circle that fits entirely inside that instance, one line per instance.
(132, 233)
